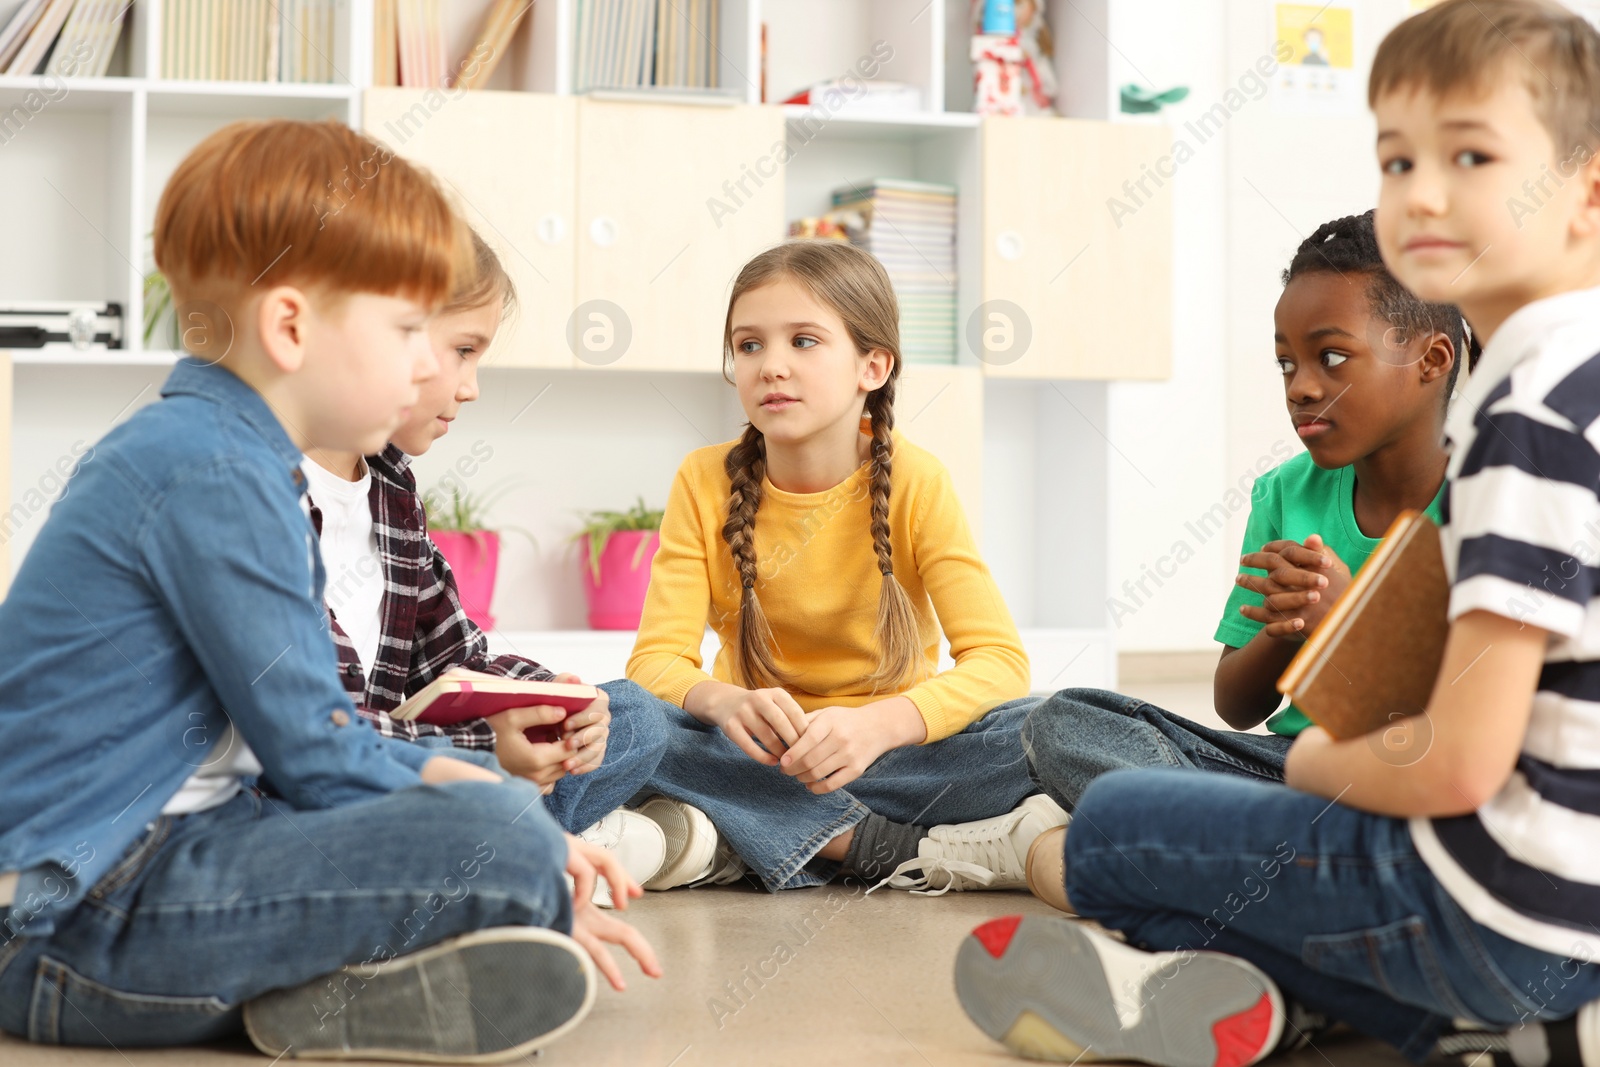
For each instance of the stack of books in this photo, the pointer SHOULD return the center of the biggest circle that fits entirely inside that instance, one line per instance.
(84, 33)
(408, 46)
(911, 228)
(630, 44)
(248, 40)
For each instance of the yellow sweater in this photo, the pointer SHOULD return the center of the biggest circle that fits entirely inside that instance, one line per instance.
(819, 585)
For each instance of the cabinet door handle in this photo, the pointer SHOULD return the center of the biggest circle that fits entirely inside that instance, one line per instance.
(552, 229)
(603, 231)
(1009, 246)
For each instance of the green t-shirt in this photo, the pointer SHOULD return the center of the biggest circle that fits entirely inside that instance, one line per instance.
(1290, 503)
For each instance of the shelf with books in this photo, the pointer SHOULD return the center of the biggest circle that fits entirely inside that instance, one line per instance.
(109, 144)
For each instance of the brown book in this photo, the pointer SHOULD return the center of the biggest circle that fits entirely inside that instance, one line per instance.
(1376, 656)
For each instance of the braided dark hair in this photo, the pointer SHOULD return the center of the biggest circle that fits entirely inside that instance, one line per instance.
(1350, 246)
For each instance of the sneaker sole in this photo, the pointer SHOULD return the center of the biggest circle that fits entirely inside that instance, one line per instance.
(693, 840)
(485, 997)
(1039, 986)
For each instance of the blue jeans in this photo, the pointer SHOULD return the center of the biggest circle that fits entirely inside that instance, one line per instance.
(637, 742)
(1333, 903)
(777, 825)
(208, 911)
(1076, 735)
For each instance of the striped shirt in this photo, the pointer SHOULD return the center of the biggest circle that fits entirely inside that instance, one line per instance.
(1522, 540)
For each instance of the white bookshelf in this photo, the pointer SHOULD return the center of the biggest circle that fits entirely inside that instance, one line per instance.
(85, 172)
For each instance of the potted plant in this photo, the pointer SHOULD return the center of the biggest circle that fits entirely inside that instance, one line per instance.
(458, 523)
(618, 547)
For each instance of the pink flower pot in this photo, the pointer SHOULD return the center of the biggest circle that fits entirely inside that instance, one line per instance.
(617, 600)
(474, 558)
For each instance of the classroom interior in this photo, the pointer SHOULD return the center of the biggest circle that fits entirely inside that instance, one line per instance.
(1096, 371)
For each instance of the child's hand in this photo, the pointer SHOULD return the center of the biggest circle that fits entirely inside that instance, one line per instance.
(585, 732)
(768, 716)
(442, 769)
(538, 762)
(1301, 584)
(594, 929)
(586, 862)
(841, 743)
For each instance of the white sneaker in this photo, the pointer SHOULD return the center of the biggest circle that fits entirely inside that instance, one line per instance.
(987, 854)
(695, 854)
(638, 843)
(1052, 989)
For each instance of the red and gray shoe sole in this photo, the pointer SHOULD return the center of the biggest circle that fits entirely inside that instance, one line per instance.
(1038, 986)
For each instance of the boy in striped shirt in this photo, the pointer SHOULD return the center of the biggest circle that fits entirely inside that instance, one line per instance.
(1443, 898)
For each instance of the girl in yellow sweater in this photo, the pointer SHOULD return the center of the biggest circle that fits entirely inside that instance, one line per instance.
(827, 552)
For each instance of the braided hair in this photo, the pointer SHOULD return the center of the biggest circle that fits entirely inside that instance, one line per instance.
(855, 286)
(1350, 246)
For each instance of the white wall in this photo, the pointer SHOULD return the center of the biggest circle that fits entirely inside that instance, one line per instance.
(1242, 203)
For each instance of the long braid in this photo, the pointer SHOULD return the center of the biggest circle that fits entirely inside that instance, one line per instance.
(856, 286)
(746, 464)
(896, 632)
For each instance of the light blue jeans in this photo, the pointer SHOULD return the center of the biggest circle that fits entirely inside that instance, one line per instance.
(637, 742)
(777, 825)
(1333, 903)
(1076, 735)
(206, 912)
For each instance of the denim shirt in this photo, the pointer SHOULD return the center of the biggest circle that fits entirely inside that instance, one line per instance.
(175, 585)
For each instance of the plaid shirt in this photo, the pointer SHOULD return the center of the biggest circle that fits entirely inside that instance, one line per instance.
(424, 629)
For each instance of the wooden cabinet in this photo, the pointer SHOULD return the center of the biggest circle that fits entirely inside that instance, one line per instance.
(1077, 249)
(940, 408)
(672, 200)
(508, 159)
(622, 223)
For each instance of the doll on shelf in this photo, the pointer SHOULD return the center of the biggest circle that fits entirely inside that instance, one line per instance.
(1013, 56)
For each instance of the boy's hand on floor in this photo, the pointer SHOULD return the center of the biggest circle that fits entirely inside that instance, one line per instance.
(757, 719)
(585, 733)
(1301, 584)
(538, 762)
(594, 930)
(586, 862)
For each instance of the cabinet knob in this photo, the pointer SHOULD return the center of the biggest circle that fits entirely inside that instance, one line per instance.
(1008, 245)
(552, 229)
(603, 231)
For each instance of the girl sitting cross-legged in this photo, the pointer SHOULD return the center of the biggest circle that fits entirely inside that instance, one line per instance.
(828, 552)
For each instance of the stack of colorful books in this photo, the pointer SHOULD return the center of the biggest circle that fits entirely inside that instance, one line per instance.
(630, 44)
(911, 228)
(84, 33)
(248, 40)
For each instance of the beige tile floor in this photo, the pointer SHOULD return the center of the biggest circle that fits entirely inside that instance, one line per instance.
(868, 982)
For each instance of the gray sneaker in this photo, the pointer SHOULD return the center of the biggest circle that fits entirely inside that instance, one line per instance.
(1051, 989)
(485, 997)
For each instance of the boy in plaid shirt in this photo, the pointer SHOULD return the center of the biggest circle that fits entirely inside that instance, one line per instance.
(398, 623)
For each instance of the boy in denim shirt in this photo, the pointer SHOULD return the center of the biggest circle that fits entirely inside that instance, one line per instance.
(195, 828)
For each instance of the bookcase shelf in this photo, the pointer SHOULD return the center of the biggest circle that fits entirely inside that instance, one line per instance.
(566, 436)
